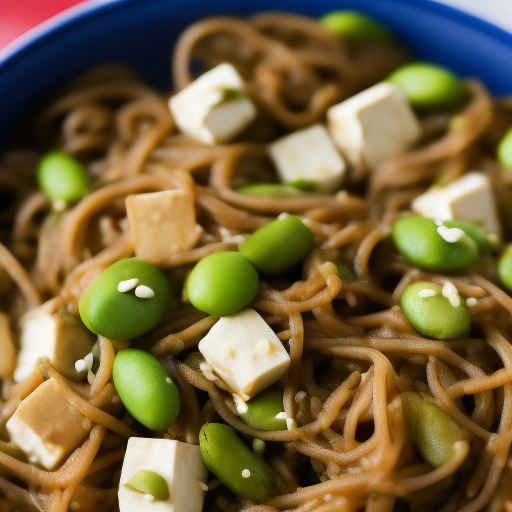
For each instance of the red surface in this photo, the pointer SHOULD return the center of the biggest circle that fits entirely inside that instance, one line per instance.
(18, 16)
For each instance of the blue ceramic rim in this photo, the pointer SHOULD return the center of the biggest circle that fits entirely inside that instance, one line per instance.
(66, 20)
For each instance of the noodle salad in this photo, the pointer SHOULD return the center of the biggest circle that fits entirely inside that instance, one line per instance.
(286, 285)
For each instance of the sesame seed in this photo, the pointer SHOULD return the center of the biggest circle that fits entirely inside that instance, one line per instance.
(454, 300)
(241, 406)
(125, 286)
(168, 380)
(283, 216)
(246, 473)
(493, 238)
(281, 416)
(80, 365)
(300, 395)
(426, 292)
(59, 205)
(471, 301)
(291, 424)
(449, 289)
(203, 486)
(88, 359)
(450, 235)
(327, 497)
(438, 222)
(91, 377)
(33, 459)
(205, 367)
(148, 497)
(115, 398)
(144, 292)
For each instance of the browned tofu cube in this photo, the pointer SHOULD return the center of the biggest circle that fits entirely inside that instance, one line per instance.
(162, 224)
(46, 427)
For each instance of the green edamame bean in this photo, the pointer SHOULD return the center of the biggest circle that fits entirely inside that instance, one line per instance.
(149, 482)
(222, 283)
(419, 241)
(475, 232)
(145, 389)
(269, 190)
(263, 409)
(433, 431)
(505, 268)
(279, 245)
(356, 26)
(505, 150)
(428, 86)
(241, 470)
(433, 314)
(61, 176)
(123, 315)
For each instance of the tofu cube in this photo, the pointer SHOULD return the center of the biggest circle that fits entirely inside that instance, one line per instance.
(214, 108)
(180, 464)
(468, 198)
(7, 348)
(45, 332)
(373, 125)
(46, 427)
(162, 224)
(309, 156)
(245, 352)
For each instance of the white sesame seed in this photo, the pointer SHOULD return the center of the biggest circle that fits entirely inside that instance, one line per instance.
(471, 301)
(203, 486)
(88, 360)
(241, 406)
(454, 300)
(281, 416)
(291, 424)
(129, 284)
(438, 222)
(246, 473)
(33, 459)
(59, 205)
(283, 216)
(300, 395)
(205, 367)
(144, 292)
(148, 497)
(426, 292)
(449, 289)
(80, 365)
(327, 497)
(168, 380)
(91, 377)
(450, 235)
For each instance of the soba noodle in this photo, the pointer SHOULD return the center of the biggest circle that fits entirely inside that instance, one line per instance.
(351, 450)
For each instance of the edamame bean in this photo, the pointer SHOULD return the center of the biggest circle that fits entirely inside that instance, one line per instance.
(428, 86)
(222, 283)
(279, 245)
(436, 311)
(263, 409)
(145, 389)
(61, 176)
(505, 268)
(149, 482)
(356, 26)
(124, 315)
(433, 431)
(241, 470)
(505, 150)
(425, 245)
(269, 190)
(478, 235)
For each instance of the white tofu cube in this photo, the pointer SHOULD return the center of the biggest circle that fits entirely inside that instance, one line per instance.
(46, 427)
(180, 464)
(214, 108)
(162, 224)
(468, 198)
(309, 155)
(245, 352)
(7, 348)
(45, 332)
(373, 125)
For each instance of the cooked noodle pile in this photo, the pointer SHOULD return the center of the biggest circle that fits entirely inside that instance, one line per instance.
(352, 449)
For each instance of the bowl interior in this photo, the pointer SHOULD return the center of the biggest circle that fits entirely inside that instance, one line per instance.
(141, 33)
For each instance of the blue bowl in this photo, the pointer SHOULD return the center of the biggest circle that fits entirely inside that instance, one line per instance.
(141, 33)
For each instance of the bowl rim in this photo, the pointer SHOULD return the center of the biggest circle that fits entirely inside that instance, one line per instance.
(90, 9)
